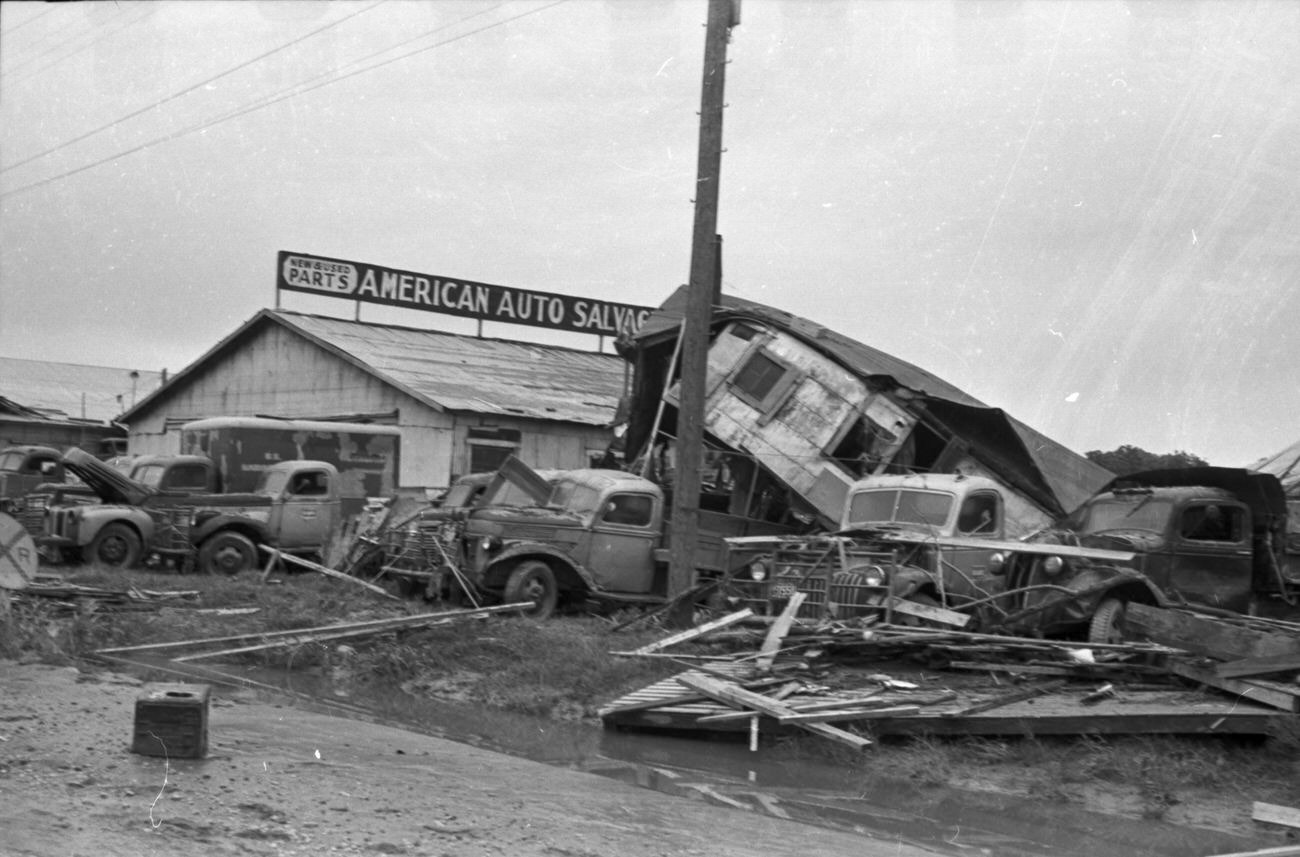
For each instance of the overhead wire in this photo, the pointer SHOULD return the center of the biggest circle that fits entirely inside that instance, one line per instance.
(189, 89)
(63, 42)
(106, 34)
(258, 106)
(33, 18)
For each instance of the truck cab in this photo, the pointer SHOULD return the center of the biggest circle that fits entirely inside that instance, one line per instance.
(177, 474)
(22, 468)
(1208, 535)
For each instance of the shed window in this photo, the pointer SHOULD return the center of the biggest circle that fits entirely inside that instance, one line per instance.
(763, 381)
(487, 457)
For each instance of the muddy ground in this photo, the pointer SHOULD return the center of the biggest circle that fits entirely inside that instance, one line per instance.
(278, 780)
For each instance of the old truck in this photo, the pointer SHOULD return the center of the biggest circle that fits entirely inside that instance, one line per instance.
(886, 558)
(22, 469)
(1210, 536)
(295, 508)
(558, 537)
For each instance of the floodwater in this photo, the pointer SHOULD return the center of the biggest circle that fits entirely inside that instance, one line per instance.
(727, 773)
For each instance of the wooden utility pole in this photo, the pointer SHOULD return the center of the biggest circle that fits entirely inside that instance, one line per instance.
(699, 310)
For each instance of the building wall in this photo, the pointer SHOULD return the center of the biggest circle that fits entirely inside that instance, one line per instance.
(275, 372)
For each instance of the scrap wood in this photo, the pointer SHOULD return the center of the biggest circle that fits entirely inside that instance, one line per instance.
(1274, 814)
(1210, 635)
(734, 695)
(1279, 851)
(864, 706)
(391, 623)
(838, 716)
(1258, 666)
(925, 611)
(288, 557)
(1258, 690)
(697, 591)
(1007, 699)
(684, 698)
(776, 633)
(697, 631)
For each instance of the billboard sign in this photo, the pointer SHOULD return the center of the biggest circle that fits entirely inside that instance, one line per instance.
(361, 281)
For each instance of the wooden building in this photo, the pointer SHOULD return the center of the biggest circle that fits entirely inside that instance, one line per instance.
(461, 403)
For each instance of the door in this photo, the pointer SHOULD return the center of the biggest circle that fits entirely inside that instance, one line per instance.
(966, 570)
(623, 537)
(1211, 558)
(306, 511)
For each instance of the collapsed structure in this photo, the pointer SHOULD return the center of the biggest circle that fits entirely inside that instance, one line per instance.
(795, 412)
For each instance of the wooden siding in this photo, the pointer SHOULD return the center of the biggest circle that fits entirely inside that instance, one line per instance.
(277, 372)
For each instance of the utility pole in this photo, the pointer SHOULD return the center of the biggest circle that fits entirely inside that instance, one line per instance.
(723, 15)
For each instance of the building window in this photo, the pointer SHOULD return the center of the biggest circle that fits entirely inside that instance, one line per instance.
(485, 458)
(764, 381)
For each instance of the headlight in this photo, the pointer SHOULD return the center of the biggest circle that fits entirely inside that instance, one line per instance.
(758, 570)
(997, 563)
(487, 544)
(872, 575)
(1052, 565)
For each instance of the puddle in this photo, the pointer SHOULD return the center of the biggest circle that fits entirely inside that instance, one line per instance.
(945, 820)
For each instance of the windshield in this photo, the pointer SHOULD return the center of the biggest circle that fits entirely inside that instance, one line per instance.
(271, 482)
(575, 497)
(11, 461)
(149, 474)
(906, 506)
(1128, 512)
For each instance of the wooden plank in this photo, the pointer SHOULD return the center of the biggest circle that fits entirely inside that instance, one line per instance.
(1257, 690)
(1206, 635)
(1274, 814)
(655, 696)
(849, 714)
(925, 611)
(1279, 851)
(1259, 666)
(1007, 699)
(735, 695)
(776, 633)
(328, 572)
(697, 631)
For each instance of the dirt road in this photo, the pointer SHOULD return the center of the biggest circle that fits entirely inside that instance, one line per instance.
(282, 781)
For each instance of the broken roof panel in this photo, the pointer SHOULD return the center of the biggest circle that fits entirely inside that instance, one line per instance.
(73, 390)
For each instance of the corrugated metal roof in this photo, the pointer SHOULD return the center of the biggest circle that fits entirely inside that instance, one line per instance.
(73, 390)
(486, 376)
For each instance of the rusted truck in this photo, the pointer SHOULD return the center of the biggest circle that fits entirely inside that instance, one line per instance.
(557, 537)
(1211, 536)
(22, 469)
(294, 508)
(886, 558)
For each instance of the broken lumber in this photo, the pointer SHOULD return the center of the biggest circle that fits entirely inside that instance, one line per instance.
(736, 696)
(389, 624)
(329, 572)
(692, 633)
(1007, 699)
(1274, 814)
(1257, 690)
(836, 716)
(776, 633)
(925, 611)
(1258, 666)
(1206, 635)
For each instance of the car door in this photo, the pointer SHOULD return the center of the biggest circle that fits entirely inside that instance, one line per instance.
(1211, 558)
(623, 537)
(304, 509)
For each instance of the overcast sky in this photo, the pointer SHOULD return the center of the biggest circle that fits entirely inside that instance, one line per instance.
(1085, 212)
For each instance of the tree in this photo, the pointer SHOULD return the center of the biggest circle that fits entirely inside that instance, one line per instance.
(1128, 459)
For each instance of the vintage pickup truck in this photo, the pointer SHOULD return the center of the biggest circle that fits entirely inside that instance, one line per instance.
(556, 537)
(886, 557)
(294, 508)
(1212, 536)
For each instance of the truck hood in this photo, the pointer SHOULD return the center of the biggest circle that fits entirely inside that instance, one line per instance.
(109, 485)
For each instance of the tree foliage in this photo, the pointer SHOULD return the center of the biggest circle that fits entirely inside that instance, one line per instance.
(1128, 459)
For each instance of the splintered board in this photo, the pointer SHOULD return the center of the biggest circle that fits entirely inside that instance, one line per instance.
(669, 706)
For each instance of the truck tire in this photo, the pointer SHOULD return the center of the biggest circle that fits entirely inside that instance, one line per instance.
(227, 553)
(116, 546)
(1107, 625)
(533, 580)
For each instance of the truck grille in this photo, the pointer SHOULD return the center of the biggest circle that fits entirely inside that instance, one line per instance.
(833, 581)
(32, 517)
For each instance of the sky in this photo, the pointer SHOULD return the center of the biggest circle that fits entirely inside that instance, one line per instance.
(1084, 212)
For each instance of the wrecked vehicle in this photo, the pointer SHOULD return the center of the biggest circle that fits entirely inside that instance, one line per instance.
(884, 558)
(1209, 536)
(294, 508)
(559, 537)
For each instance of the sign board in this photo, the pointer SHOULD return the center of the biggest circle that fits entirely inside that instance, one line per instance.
(361, 281)
(18, 557)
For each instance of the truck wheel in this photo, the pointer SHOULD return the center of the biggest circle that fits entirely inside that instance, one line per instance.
(227, 553)
(533, 581)
(116, 546)
(1107, 624)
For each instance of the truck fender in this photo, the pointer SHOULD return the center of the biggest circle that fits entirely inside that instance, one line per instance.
(568, 575)
(93, 518)
(255, 530)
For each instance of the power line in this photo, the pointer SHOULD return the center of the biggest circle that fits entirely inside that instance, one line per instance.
(16, 27)
(59, 45)
(101, 37)
(190, 89)
(258, 106)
